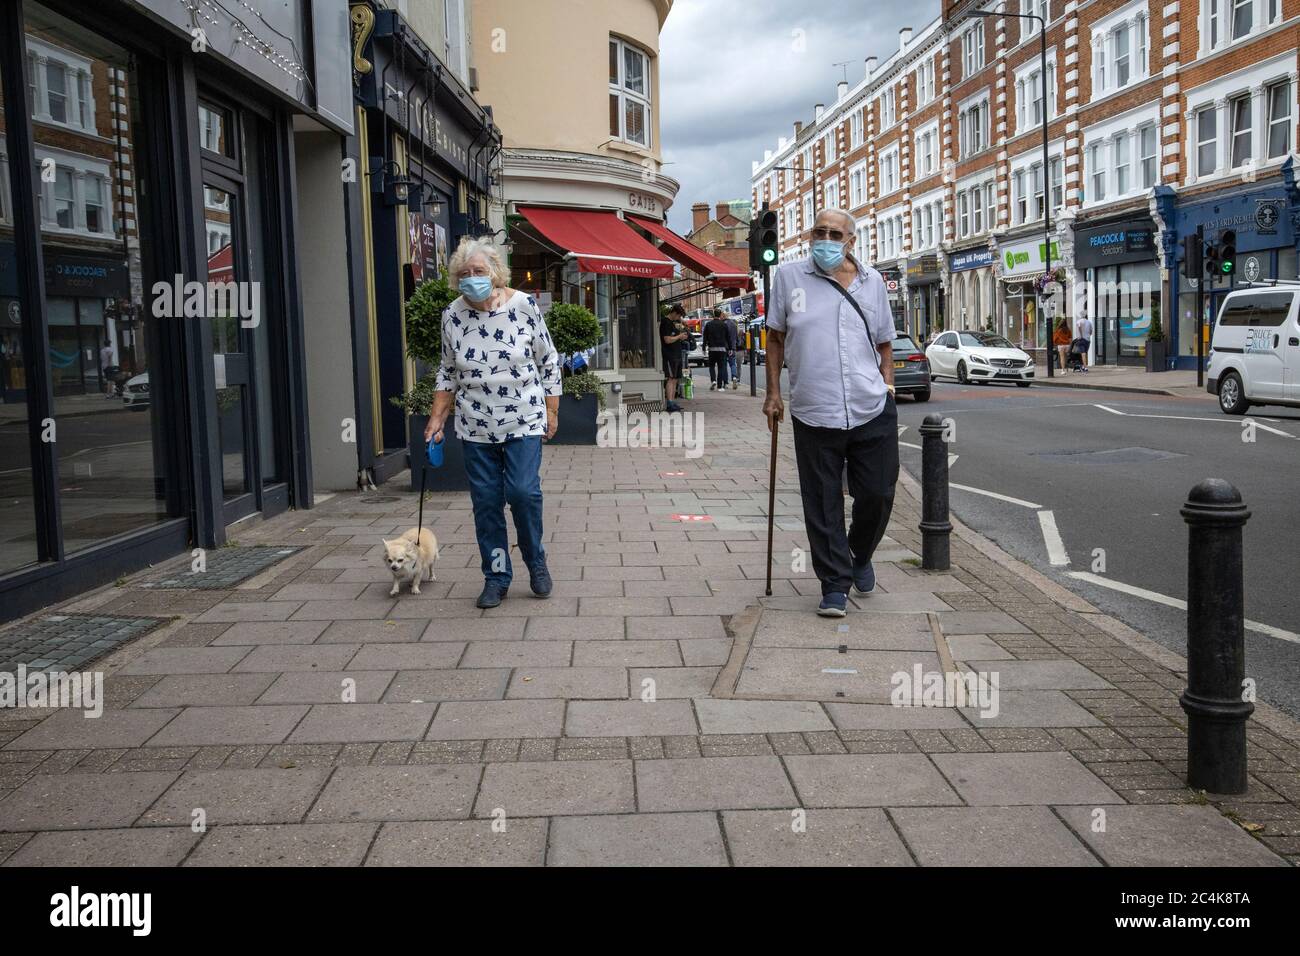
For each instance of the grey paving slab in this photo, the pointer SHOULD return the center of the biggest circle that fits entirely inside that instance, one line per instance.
(518, 654)
(672, 682)
(362, 610)
(270, 632)
(272, 795)
(679, 627)
(328, 687)
(760, 716)
(248, 611)
(387, 631)
(588, 683)
(815, 674)
(460, 843)
(712, 783)
(980, 622)
(819, 838)
(354, 723)
(187, 660)
(585, 628)
(324, 844)
(906, 583)
(866, 631)
(976, 647)
(81, 801)
(1031, 708)
(199, 690)
(497, 720)
(332, 591)
(705, 652)
(642, 839)
(722, 603)
(407, 657)
(476, 629)
(1023, 779)
(443, 614)
(415, 792)
(1159, 835)
(868, 780)
(487, 683)
(990, 836)
(556, 788)
(73, 730)
(257, 724)
(620, 653)
(1040, 675)
(889, 717)
(101, 848)
(629, 718)
(274, 660)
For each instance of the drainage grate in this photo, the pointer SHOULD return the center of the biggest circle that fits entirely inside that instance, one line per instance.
(68, 641)
(224, 568)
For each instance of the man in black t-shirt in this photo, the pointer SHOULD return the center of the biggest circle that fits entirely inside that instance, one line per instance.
(673, 334)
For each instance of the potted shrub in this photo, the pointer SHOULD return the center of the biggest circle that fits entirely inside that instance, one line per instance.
(423, 320)
(1157, 347)
(575, 329)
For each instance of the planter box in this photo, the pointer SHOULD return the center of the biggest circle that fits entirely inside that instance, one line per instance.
(451, 476)
(577, 421)
(1157, 357)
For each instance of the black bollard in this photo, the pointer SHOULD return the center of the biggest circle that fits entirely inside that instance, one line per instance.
(1216, 648)
(935, 526)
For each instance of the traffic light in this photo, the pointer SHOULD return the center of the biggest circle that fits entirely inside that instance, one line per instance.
(1192, 257)
(763, 239)
(1228, 252)
(1211, 259)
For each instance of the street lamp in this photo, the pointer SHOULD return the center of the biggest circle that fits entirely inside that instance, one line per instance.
(1047, 159)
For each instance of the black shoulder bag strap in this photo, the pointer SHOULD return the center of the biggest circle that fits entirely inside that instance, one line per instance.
(862, 315)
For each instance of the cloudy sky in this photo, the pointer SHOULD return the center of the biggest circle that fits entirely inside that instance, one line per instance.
(736, 74)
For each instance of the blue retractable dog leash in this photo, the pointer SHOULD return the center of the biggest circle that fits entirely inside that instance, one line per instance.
(433, 453)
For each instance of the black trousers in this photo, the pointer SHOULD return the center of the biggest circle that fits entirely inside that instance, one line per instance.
(719, 366)
(870, 455)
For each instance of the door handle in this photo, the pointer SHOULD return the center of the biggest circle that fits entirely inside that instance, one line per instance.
(1275, 341)
(1293, 341)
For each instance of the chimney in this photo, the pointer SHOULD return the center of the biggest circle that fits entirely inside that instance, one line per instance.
(841, 90)
(817, 112)
(699, 216)
(798, 128)
(904, 38)
(723, 210)
(767, 155)
(871, 66)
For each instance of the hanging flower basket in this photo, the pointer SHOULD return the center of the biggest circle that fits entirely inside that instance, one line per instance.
(1049, 282)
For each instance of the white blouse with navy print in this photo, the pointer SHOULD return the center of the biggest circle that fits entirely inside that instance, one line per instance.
(501, 364)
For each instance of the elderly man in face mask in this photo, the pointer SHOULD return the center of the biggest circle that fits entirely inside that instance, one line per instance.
(829, 320)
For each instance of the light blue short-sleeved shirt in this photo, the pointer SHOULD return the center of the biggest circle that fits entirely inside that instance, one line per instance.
(835, 381)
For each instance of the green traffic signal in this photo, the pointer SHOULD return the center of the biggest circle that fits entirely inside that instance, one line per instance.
(1227, 267)
(769, 255)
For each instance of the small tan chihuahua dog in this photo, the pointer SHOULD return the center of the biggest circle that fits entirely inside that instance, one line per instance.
(410, 557)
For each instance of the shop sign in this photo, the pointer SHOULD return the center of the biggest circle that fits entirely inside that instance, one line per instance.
(1027, 258)
(1108, 245)
(1251, 269)
(970, 259)
(643, 202)
(427, 247)
(1262, 219)
(90, 276)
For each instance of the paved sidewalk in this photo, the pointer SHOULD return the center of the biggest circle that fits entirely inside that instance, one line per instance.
(1125, 378)
(655, 710)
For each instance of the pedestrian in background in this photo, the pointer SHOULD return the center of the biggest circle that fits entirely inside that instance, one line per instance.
(719, 342)
(732, 356)
(673, 334)
(1083, 330)
(1061, 339)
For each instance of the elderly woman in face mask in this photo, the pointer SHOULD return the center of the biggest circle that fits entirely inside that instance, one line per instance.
(500, 381)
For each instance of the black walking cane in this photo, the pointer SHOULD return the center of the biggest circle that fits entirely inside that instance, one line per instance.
(771, 505)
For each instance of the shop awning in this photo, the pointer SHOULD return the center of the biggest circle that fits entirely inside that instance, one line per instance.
(600, 241)
(722, 274)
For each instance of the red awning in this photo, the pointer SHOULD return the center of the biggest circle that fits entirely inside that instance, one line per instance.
(722, 274)
(601, 241)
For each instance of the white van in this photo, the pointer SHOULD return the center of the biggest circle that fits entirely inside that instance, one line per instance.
(1255, 352)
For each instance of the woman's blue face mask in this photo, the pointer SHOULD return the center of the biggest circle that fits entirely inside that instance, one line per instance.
(476, 288)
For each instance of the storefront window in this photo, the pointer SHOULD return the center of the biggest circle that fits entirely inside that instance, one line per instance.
(93, 239)
(634, 305)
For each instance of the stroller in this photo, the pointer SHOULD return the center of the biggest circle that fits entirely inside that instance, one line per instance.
(1074, 358)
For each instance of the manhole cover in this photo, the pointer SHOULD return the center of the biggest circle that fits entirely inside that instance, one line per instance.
(68, 641)
(1109, 456)
(379, 499)
(224, 568)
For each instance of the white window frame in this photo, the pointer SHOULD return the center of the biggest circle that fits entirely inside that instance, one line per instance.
(979, 105)
(925, 90)
(858, 185)
(1217, 97)
(972, 49)
(831, 193)
(856, 126)
(79, 110)
(1042, 8)
(80, 166)
(1217, 22)
(1132, 23)
(888, 100)
(625, 95)
(1027, 88)
(976, 206)
(1286, 89)
(926, 159)
(890, 177)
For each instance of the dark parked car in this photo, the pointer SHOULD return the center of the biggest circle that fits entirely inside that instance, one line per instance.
(911, 369)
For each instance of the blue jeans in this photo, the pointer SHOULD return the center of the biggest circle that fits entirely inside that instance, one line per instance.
(502, 473)
(735, 366)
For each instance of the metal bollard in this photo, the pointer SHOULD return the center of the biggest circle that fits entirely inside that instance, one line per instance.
(1216, 650)
(935, 526)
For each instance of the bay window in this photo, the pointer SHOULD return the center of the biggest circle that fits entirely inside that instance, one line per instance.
(629, 93)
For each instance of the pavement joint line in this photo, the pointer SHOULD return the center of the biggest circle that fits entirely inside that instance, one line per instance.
(1056, 553)
(993, 494)
(1155, 597)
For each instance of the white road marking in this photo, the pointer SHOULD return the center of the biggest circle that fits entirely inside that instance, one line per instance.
(1107, 408)
(1164, 599)
(951, 459)
(908, 444)
(993, 494)
(1056, 552)
(1196, 418)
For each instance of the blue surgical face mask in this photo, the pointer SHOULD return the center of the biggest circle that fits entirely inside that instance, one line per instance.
(476, 288)
(827, 253)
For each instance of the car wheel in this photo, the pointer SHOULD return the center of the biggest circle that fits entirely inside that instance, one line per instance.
(1232, 396)
(921, 396)
(932, 378)
(961, 373)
